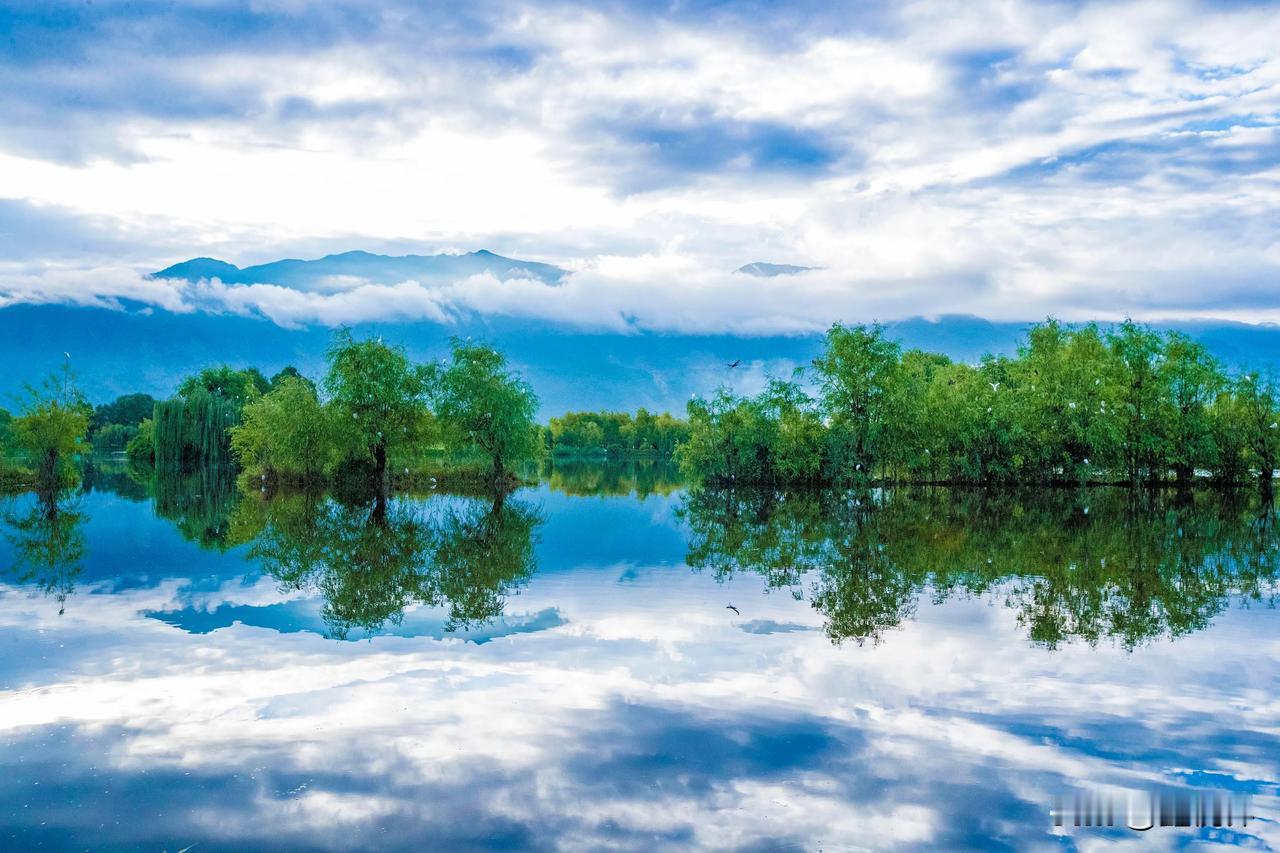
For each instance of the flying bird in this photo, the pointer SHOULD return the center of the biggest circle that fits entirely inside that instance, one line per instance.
(995, 386)
(731, 607)
(734, 364)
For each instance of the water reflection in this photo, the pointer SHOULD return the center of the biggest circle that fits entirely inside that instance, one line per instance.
(48, 542)
(1083, 566)
(370, 560)
(199, 501)
(641, 477)
(190, 699)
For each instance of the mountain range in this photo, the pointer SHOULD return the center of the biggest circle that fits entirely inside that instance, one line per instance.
(149, 349)
(330, 271)
(145, 348)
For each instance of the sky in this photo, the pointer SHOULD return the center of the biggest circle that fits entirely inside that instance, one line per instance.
(1004, 159)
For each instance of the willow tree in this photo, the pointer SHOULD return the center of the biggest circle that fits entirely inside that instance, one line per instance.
(195, 426)
(286, 433)
(1259, 398)
(378, 398)
(53, 423)
(858, 374)
(484, 406)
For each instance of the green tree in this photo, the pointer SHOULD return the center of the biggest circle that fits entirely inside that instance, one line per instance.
(286, 433)
(226, 383)
(112, 438)
(1259, 399)
(53, 423)
(857, 374)
(128, 410)
(484, 406)
(378, 399)
(290, 372)
(141, 449)
(1193, 380)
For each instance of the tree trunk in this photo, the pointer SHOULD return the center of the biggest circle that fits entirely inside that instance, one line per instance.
(1183, 475)
(380, 466)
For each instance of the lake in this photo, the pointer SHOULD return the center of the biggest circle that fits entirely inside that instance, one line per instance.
(613, 660)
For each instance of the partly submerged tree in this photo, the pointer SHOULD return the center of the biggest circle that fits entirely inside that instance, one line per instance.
(52, 424)
(378, 398)
(1259, 399)
(484, 406)
(858, 374)
(286, 433)
(194, 426)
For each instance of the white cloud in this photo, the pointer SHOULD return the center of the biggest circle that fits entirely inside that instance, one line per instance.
(1004, 159)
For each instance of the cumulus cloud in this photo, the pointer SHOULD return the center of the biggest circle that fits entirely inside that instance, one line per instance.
(1004, 159)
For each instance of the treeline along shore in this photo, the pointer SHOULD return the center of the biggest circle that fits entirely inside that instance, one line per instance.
(1078, 404)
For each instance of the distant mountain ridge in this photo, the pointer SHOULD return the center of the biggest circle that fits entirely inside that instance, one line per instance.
(150, 349)
(321, 273)
(763, 269)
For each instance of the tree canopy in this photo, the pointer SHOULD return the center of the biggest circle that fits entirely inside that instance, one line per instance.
(377, 396)
(484, 406)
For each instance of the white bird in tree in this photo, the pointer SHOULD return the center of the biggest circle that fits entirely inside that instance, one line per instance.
(995, 386)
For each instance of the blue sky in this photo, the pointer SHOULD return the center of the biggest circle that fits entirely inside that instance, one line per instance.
(1006, 159)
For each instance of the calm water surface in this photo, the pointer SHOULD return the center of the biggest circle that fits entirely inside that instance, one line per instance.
(183, 667)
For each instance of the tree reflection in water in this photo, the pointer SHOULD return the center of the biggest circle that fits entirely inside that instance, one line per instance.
(1089, 565)
(48, 542)
(372, 559)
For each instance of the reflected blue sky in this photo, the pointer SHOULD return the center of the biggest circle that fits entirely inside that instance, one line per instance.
(186, 698)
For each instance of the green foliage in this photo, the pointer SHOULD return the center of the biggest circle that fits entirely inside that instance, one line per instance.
(194, 429)
(141, 449)
(290, 372)
(616, 433)
(128, 410)
(377, 398)
(113, 438)
(286, 433)
(1259, 401)
(8, 441)
(52, 425)
(485, 407)
(1076, 405)
(226, 383)
(858, 374)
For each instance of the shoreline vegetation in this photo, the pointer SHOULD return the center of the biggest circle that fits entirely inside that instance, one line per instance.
(1078, 405)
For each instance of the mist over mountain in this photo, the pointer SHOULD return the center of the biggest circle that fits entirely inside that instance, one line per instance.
(331, 270)
(116, 352)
